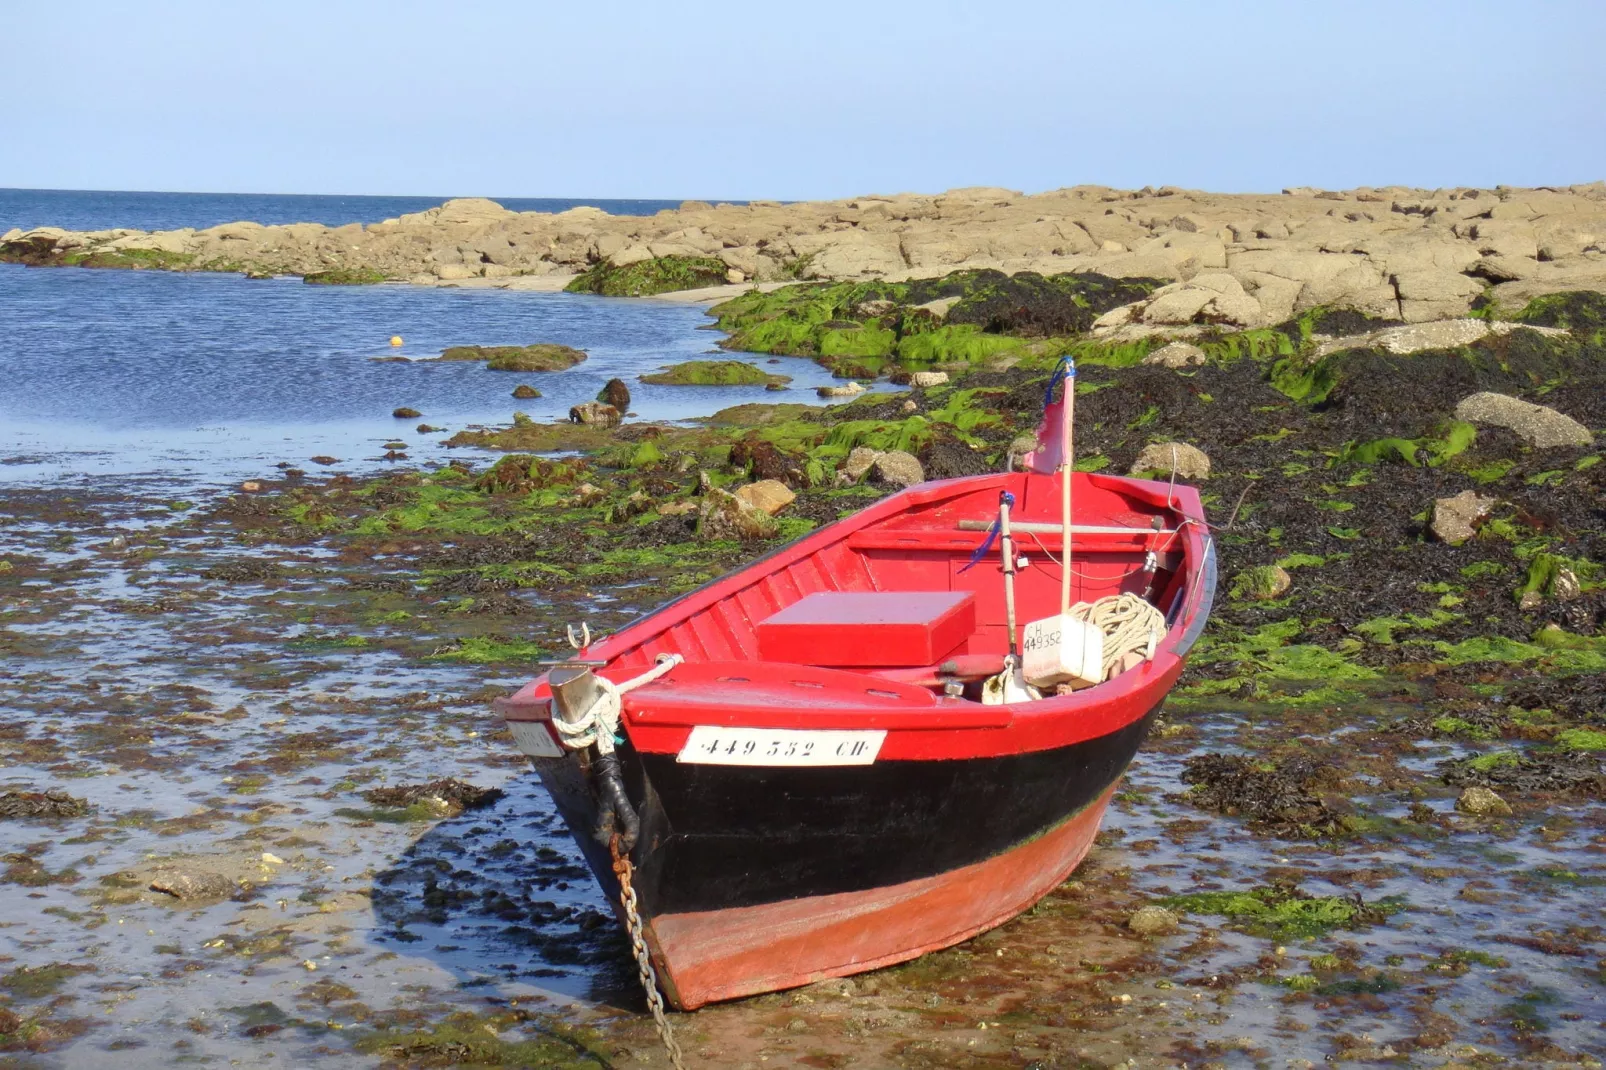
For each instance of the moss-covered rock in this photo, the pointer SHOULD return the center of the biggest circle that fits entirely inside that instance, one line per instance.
(644, 278)
(541, 357)
(41, 250)
(354, 276)
(984, 313)
(1582, 311)
(713, 373)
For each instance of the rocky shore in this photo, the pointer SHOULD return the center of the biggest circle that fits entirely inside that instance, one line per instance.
(1246, 260)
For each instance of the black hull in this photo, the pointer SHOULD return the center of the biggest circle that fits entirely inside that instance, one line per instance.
(716, 837)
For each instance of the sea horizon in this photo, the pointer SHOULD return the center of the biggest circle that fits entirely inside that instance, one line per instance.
(107, 209)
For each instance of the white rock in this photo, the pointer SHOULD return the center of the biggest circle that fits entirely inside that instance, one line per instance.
(1538, 425)
(1176, 355)
(898, 469)
(1455, 519)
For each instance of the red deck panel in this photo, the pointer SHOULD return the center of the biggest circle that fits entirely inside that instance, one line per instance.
(863, 628)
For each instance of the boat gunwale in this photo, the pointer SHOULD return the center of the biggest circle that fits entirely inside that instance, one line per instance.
(1042, 720)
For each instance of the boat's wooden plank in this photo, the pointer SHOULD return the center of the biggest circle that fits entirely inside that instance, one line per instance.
(757, 603)
(737, 625)
(710, 637)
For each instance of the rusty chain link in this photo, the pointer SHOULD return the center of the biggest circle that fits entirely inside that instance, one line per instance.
(638, 945)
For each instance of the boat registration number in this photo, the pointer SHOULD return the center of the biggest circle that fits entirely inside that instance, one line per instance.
(715, 745)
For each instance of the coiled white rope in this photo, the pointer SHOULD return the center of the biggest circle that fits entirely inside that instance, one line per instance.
(1130, 626)
(599, 723)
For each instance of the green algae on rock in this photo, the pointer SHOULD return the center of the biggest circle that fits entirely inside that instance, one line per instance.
(1284, 911)
(354, 276)
(714, 373)
(966, 316)
(540, 357)
(645, 278)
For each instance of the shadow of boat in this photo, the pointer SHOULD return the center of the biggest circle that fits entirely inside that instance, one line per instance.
(500, 896)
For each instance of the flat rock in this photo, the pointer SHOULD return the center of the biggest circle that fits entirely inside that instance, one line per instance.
(1176, 355)
(1189, 462)
(927, 379)
(768, 495)
(1538, 425)
(187, 884)
(1455, 519)
(846, 390)
(1438, 334)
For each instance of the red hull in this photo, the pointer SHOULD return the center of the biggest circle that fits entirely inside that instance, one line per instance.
(724, 954)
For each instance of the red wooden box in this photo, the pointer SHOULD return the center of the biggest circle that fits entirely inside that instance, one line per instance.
(869, 628)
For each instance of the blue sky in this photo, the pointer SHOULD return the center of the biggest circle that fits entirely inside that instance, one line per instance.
(818, 99)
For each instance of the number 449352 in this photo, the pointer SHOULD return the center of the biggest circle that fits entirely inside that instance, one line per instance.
(715, 745)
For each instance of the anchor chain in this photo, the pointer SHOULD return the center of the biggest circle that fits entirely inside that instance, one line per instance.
(649, 978)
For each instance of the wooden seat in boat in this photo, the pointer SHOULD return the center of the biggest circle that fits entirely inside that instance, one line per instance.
(869, 628)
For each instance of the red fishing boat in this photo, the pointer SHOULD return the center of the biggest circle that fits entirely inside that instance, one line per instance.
(837, 758)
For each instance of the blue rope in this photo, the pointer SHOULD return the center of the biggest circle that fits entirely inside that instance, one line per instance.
(992, 534)
(1065, 373)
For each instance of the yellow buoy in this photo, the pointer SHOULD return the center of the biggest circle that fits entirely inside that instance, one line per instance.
(395, 339)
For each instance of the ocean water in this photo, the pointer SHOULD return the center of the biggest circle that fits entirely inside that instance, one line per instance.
(210, 378)
(107, 209)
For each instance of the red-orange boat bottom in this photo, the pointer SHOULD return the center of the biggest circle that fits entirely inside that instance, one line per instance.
(714, 955)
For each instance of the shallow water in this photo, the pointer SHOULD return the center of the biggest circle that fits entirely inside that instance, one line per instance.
(218, 377)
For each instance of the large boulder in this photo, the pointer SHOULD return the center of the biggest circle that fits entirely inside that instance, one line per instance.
(1538, 425)
(723, 515)
(1455, 520)
(1188, 462)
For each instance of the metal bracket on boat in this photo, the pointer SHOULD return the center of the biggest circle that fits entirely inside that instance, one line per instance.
(581, 641)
